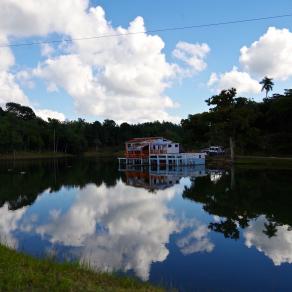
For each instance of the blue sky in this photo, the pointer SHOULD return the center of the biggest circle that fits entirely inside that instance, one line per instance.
(187, 93)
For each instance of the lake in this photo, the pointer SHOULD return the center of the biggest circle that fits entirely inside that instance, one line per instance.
(194, 229)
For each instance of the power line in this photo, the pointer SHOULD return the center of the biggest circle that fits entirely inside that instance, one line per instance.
(146, 31)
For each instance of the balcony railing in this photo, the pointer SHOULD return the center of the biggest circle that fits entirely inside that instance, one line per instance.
(160, 151)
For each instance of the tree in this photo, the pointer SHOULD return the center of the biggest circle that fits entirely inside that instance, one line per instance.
(23, 112)
(221, 115)
(267, 85)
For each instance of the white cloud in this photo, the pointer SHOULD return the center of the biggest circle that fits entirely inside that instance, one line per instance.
(9, 220)
(196, 240)
(123, 78)
(277, 248)
(193, 55)
(242, 81)
(117, 228)
(46, 50)
(46, 113)
(10, 90)
(270, 55)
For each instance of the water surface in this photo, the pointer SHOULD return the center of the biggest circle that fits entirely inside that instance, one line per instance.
(194, 229)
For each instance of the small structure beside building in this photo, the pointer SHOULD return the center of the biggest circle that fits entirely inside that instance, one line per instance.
(158, 151)
(214, 150)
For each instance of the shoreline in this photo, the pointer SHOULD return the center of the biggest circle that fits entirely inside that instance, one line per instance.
(50, 155)
(23, 272)
(251, 161)
(240, 160)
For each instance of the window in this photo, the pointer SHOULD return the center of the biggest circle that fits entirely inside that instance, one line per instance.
(169, 145)
(153, 147)
(176, 145)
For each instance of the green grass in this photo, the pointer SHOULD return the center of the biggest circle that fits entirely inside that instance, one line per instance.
(262, 161)
(251, 162)
(105, 153)
(32, 155)
(102, 153)
(20, 272)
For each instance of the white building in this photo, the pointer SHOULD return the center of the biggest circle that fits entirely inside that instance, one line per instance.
(159, 151)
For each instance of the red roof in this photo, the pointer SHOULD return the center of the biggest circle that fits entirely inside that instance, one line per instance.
(137, 140)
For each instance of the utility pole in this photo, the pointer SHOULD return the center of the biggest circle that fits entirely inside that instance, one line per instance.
(54, 140)
(231, 149)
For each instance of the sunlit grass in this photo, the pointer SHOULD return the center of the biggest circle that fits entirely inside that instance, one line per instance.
(20, 272)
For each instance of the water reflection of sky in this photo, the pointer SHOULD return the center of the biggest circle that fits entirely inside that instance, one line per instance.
(157, 236)
(116, 228)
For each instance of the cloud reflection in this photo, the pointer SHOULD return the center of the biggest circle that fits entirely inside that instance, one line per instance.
(278, 248)
(9, 220)
(112, 228)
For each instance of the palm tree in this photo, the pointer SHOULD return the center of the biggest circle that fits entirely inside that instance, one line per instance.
(267, 85)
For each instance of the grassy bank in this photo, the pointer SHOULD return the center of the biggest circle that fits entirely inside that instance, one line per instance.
(262, 161)
(251, 161)
(32, 155)
(105, 153)
(42, 155)
(19, 272)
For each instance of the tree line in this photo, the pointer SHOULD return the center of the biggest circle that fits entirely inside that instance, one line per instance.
(263, 127)
(252, 127)
(22, 130)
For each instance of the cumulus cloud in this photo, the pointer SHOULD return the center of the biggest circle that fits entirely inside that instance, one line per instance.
(119, 228)
(9, 220)
(193, 55)
(46, 50)
(277, 248)
(10, 91)
(45, 114)
(123, 78)
(242, 81)
(270, 55)
(196, 240)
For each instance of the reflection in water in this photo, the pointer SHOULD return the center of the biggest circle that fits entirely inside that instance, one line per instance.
(160, 177)
(113, 228)
(156, 223)
(278, 248)
(237, 201)
(8, 223)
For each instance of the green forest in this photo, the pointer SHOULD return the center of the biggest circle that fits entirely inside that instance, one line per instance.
(261, 128)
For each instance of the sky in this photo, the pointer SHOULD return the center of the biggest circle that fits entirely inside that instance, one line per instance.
(142, 77)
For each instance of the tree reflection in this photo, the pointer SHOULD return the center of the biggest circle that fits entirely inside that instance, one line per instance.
(244, 197)
(22, 182)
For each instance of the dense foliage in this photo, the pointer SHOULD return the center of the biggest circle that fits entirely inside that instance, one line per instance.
(22, 130)
(256, 128)
(240, 196)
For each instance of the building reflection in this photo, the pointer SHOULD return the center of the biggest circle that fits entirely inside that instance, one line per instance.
(160, 177)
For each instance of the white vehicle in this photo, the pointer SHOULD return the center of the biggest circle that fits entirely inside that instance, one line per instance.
(214, 150)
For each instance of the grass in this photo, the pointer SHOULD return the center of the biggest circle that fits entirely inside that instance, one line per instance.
(262, 161)
(251, 162)
(20, 272)
(32, 155)
(103, 153)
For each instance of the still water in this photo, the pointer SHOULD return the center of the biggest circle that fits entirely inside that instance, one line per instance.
(193, 229)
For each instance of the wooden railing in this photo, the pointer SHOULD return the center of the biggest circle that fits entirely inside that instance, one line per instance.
(137, 155)
(161, 151)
